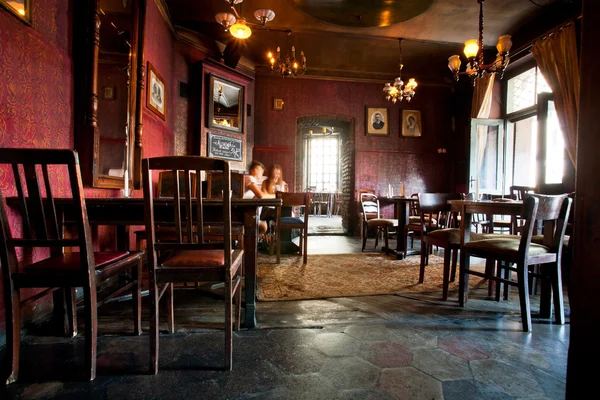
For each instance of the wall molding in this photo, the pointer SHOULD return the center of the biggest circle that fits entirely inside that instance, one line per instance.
(164, 11)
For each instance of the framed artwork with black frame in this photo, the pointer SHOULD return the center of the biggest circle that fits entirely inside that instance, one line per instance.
(376, 121)
(156, 96)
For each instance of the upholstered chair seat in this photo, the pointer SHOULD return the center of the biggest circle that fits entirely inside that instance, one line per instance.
(382, 222)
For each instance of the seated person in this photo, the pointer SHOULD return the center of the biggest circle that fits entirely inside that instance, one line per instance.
(274, 183)
(253, 189)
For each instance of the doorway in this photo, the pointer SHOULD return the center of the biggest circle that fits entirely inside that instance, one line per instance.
(325, 166)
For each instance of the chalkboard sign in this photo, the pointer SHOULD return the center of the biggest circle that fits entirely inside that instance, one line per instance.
(224, 147)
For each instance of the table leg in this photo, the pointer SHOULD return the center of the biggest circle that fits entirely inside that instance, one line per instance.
(250, 246)
(401, 210)
(463, 278)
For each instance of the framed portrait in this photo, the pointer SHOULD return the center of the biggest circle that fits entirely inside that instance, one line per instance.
(109, 92)
(156, 98)
(277, 104)
(411, 123)
(377, 122)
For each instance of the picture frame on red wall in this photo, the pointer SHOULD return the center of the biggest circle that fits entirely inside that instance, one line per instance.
(109, 92)
(156, 96)
(19, 8)
(376, 121)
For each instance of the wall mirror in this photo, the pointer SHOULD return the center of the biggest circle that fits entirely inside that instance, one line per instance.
(21, 8)
(107, 111)
(225, 111)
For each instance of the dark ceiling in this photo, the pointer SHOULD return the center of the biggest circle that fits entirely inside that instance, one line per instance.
(359, 38)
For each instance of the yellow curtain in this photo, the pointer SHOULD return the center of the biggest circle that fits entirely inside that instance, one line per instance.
(556, 56)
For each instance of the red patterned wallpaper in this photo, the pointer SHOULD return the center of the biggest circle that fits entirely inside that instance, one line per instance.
(379, 160)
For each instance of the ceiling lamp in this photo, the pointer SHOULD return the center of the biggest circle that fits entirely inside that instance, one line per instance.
(238, 26)
(398, 91)
(288, 66)
(474, 52)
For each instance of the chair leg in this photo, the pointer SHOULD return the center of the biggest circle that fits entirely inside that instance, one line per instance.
(522, 277)
(12, 304)
(463, 280)
(489, 272)
(386, 238)
(454, 263)
(446, 282)
(423, 263)
(278, 239)
(238, 305)
(377, 233)
(170, 307)
(136, 295)
(557, 293)
(499, 284)
(305, 234)
(507, 276)
(91, 330)
(228, 326)
(71, 308)
(153, 326)
(364, 237)
(405, 242)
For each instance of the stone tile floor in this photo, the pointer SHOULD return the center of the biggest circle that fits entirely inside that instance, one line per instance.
(412, 346)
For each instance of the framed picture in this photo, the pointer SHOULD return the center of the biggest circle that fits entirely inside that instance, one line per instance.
(411, 123)
(226, 110)
(109, 92)
(376, 121)
(156, 98)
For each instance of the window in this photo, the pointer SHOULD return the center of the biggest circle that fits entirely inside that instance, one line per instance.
(323, 163)
(522, 90)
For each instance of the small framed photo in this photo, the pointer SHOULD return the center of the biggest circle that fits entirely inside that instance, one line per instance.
(156, 98)
(376, 121)
(411, 123)
(277, 104)
(109, 92)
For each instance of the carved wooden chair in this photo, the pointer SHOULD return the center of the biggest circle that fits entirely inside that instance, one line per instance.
(188, 258)
(370, 206)
(54, 269)
(553, 212)
(361, 216)
(293, 200)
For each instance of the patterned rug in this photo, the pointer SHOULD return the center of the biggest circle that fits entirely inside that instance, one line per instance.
(348, 275)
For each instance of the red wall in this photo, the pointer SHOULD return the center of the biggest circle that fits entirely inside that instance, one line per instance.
(379, 161)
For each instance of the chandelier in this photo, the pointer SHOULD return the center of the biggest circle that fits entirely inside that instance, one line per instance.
(238, 26)
(287, 66)
(474, 52)
(397, 90)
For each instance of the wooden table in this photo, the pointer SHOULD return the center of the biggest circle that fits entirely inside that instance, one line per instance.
(124, 212)
(401, 213)
(469, 207)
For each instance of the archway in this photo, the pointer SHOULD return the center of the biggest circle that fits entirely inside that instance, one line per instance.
(343, 126)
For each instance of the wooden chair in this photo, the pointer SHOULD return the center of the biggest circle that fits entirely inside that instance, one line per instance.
(215, 184)
(448, 238)
(188, 258)
(56, 269)
(413, 227)
(553, 211)
(321, 200)
(370, 206)
(293, 200)
(361, 216)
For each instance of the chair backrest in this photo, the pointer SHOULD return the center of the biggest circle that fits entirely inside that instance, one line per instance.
(369, 204)
(433, 205)
(414, 206)
(552, 212)
(166, 184)
(41, 223)
(294, 199)
(188, 213)
(359, 192)
(520, 192)
(215, 181)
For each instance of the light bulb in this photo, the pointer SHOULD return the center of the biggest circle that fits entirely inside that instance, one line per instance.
(471, 48)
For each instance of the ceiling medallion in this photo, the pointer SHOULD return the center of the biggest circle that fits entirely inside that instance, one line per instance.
(398, 91)
(238, 26)
(287, 66)
(474, 52)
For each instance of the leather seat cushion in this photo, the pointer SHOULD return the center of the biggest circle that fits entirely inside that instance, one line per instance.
(382, 222)
(292, 220)
(503, 247)
(539, 239)
(416, 219)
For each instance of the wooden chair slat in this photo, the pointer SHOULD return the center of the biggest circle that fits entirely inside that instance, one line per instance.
(177, 206)
(35, 199)
(52, 207)
(22, 202)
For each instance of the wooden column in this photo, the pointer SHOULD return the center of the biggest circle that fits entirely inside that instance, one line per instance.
(139, 95)
(584, 291)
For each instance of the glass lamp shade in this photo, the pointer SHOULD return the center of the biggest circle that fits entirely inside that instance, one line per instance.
(454, 63)
(264, 15)
(504, 44)
(471, 48)
(240, 30)
(225, 19)
(398, 82)
(411, 84)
